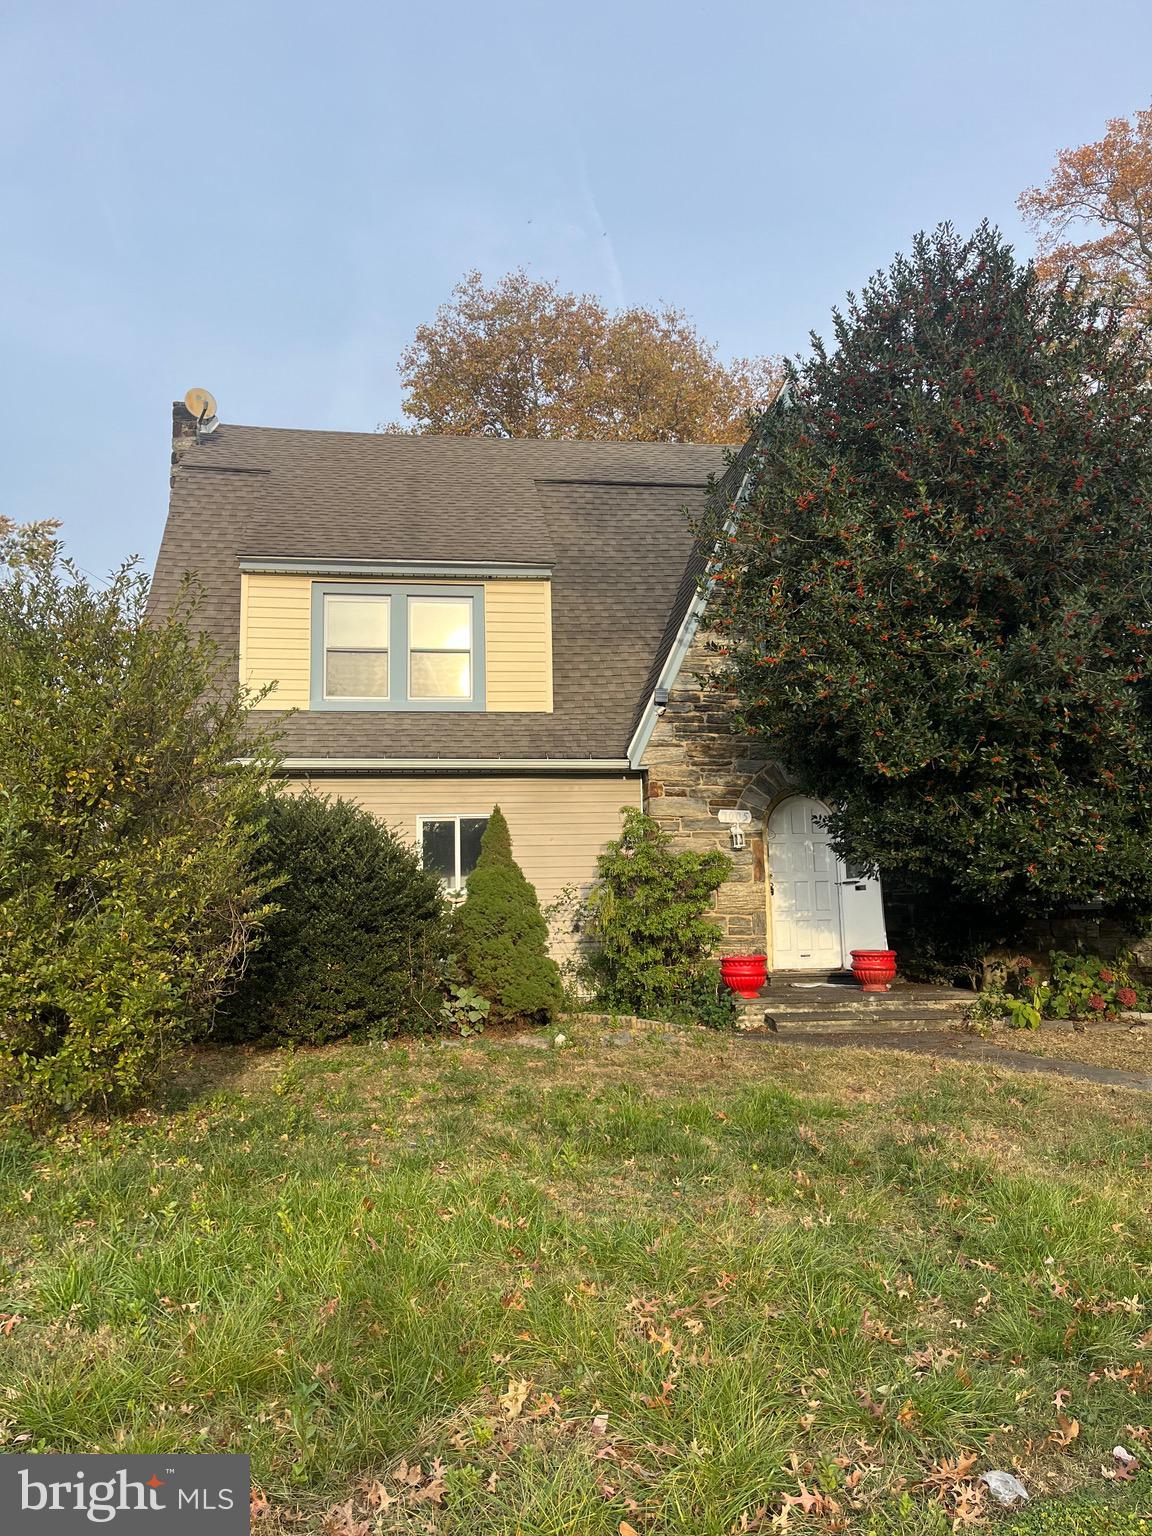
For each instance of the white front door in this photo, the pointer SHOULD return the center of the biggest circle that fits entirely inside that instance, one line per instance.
(820, 911)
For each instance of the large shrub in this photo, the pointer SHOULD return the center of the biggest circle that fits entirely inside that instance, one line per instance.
(935, 601)
(652, 941)
(127, 833)
(354, 946)
(501, 935)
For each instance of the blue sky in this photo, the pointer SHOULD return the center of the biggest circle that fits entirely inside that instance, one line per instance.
(266, 199)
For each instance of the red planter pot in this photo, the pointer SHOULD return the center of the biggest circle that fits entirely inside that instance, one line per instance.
(745, 974)
(874, 969)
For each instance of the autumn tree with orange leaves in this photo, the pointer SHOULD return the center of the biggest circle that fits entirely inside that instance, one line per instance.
(1094, 214)
(522, 358)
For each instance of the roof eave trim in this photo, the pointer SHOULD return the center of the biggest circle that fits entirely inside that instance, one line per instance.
(642, 735)
(570, 765)
(668, 675)
(679, 650)
(268, 565)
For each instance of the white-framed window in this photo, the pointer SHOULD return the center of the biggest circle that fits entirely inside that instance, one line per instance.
(439, 648)
(450, 845)
(378, 645)
(357, 642)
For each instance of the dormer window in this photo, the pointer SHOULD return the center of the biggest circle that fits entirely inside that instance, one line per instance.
(382, 646)
(357, 639)
(439, 648)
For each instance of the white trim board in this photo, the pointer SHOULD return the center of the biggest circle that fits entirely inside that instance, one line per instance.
(477, 765)
(416, 569)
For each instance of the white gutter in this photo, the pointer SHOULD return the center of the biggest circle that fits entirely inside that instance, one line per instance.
(573, 765)
(268, 566)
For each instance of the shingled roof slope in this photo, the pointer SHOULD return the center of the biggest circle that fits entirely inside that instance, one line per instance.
(607, 518)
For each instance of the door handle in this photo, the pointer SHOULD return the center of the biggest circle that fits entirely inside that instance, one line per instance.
(860, 886)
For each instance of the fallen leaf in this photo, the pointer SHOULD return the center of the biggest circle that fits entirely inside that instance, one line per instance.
(946, 1475)
(869, 1403)
(1066, 1431)
(514, 1399)
(967, 1507)
(376, 1496)
(340, 1521)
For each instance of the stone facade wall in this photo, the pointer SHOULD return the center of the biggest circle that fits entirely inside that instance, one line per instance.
(1092, 932)
(699, 764)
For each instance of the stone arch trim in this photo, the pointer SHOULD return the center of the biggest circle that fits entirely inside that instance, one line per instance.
(765, 790)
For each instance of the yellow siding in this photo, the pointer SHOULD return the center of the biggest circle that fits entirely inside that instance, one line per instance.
(275, 636)
(518, 645)
(275, 641)
(558, 824)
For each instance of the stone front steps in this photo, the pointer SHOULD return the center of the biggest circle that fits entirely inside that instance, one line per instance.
(792, 1005)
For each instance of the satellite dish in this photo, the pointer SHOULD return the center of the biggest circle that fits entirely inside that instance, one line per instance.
(201, 404)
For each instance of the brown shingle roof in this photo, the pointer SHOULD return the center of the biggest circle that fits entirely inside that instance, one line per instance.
(607, 517)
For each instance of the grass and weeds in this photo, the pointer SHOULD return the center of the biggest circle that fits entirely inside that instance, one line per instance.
(1101, 1045)
(690, 1285)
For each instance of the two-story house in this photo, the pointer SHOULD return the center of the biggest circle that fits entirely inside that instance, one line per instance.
(455, 623)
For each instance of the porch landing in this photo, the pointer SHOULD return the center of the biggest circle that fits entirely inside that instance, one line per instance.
(818, 1002)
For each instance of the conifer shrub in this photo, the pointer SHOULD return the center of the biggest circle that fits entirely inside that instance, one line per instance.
(355, 947)
(653, 946)
(502, 937)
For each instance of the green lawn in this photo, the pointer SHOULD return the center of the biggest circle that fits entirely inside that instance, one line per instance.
(676, 1283)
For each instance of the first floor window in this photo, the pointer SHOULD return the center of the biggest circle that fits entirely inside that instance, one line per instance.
(451, 845)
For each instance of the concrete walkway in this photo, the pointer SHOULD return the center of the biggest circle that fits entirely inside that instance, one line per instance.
(957, 1047)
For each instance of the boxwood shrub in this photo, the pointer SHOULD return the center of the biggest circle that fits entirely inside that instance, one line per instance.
(357, 944)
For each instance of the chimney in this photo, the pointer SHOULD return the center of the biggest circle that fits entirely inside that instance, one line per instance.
(183, 435)
(183, 426)
(193, 419)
